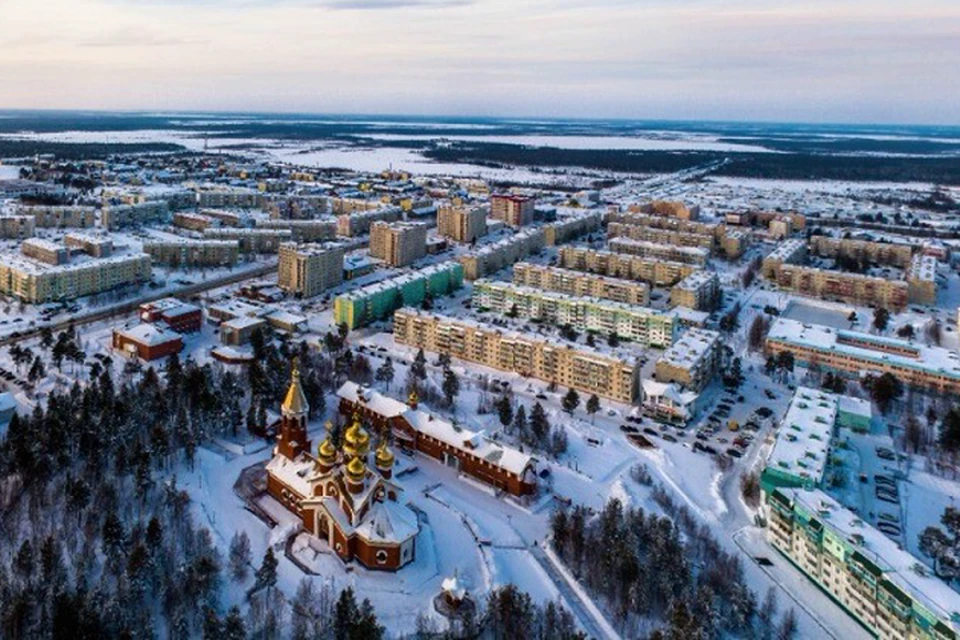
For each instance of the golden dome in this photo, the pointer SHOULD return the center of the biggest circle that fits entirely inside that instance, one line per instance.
(385, 457)
(356, 469)
(356, 439)
(413, 398)
(295, 401)
(326, 451)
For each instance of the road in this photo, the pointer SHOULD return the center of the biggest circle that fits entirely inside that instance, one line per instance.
(128, 307)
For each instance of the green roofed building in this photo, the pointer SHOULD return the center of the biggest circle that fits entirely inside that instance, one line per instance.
(379, 300)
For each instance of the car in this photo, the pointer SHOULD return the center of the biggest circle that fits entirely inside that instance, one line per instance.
(734, 453)
(611, 413)
(764, 412)
(702, 436)
(885, 454)
(626, 428)
(541, 396)
(650, 432)
(669, 438)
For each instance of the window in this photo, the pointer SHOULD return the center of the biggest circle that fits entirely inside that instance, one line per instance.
(381, 556)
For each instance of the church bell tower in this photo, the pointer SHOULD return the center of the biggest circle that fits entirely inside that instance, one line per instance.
(293, 421)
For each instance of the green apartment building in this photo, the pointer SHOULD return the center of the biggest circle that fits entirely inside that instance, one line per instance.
(379, 300)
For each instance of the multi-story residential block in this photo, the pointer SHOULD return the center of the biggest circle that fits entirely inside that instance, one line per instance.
(398, 243)
(659, 251)
(377, 301)
(358, 223)
(227, 218)
(45, 251)
(692, 361)
(886, 253)
(655, 272)
(17, 226)
(856, 354)
(60, 216)
(231, 199)
(96, 246)
(346, 206)
(734, 243)
(192, 221)
(586, 370)
(575, 283)
(921, 279)
(661, 236)
(668, 209)
(629, 219)
(870, 576)
(461, 224)
(647, 327)
(780, 228)
(570, 228)
(699, 291)
(307, 270)
(184, 252)
(788, 252)
(35, 282)
(304, 230)
(251, 240)
(515, 210)
(490, 258)
(851, 288)
(125, 215)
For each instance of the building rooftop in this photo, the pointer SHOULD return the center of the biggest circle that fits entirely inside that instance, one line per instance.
(803, 441)
(694, 252)
(149, 334)
(786, 249)
(691, 349)
(400, 280)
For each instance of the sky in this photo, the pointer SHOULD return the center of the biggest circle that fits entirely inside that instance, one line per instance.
(867, 61)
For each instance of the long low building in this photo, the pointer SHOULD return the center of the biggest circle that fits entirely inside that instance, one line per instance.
(60, 216)
(491, 258)
(36, 282)
(576, 283)
(193, 253)
(125, 215)
(654, 272)
(662, 236)
(358, 223)
(583, 369)
(470, 452)
(890, 253)
(661, 222)
(251, 240)
(882, 586)
(850, 288)
(377, 301)
(570, 228)
(304, 230)
(643, 325)
(660, 251)
(855, 354)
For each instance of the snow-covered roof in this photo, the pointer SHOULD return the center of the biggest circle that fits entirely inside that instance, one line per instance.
(898, 566)
(691, 349)
(653, 389)
(696, 280)
(868, 348)
(856, 406)
(388, 521)
(242, 322)
(149, 334)
(293, 473)
(377, 402)
(804, 438)
(698, 253)
(787, 249)
(400, 280)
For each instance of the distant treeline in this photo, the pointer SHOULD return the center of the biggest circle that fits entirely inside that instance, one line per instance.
(81, 150)
(743, 165)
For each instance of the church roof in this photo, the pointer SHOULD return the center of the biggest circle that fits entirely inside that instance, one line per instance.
(388, 521)
(295, 400)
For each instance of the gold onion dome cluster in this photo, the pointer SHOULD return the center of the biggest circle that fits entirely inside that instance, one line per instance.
(385, 457)
(356, 441)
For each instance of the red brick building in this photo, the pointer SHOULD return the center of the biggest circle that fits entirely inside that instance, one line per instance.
(355, 508)
(147, 341)
(179, 316)
(471, 453)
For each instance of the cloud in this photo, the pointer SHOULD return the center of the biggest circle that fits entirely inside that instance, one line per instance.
(367, 5)
(134, 38)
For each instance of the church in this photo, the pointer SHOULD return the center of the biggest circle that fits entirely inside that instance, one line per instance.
(346, 495)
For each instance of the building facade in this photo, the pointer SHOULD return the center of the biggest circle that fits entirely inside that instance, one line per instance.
(491, 258)
(398, 243)
(885, 253)
(583, 369)
(514, 210)
(251, 240)
(60, 216)
(358, 223)
(654, 272)
(570, 228)
(15, 227)
(308, 270)
(699, 291)
(692, 361)
(36, 283)
(461, 224)
(193, 253)
(657, 251)
(576, 283)
(851, 288)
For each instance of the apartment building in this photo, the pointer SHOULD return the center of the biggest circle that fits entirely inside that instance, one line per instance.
(60, 216)
(93, 245)
(571, 228)
(884, 253)
(692, 361)
(398, 243)
(585, 370)
(193, 253)
(346, 206)
(734, 243)
(358, 223)
(514, 210)
(309, 269)
(921, 277)
(379, 300)
(659, 273)
(35, 282)
(127, 215)
(668, 209)
(648, 327)
(661, 236)
(633, 219)
(579, 284)
(491, 258)
(699, 291)
(251, 240)
(44, 250)
(16, 227)
(193, 221)
(231, 199)
(851, 288)
(304, 230)
(787, 252)
(227, 218)
(857, 354)
(885, 588)
(658, 251)
(461, 224)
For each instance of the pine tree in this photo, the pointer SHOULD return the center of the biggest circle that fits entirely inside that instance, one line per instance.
(571, 401)
(239, 557)
(593, 405)
(233, 627)
(504, 410)
(539, 424)
(345, 615)
(419, 367)
(385, 373)
(520, 422)
(451, 386)
(266, 576)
